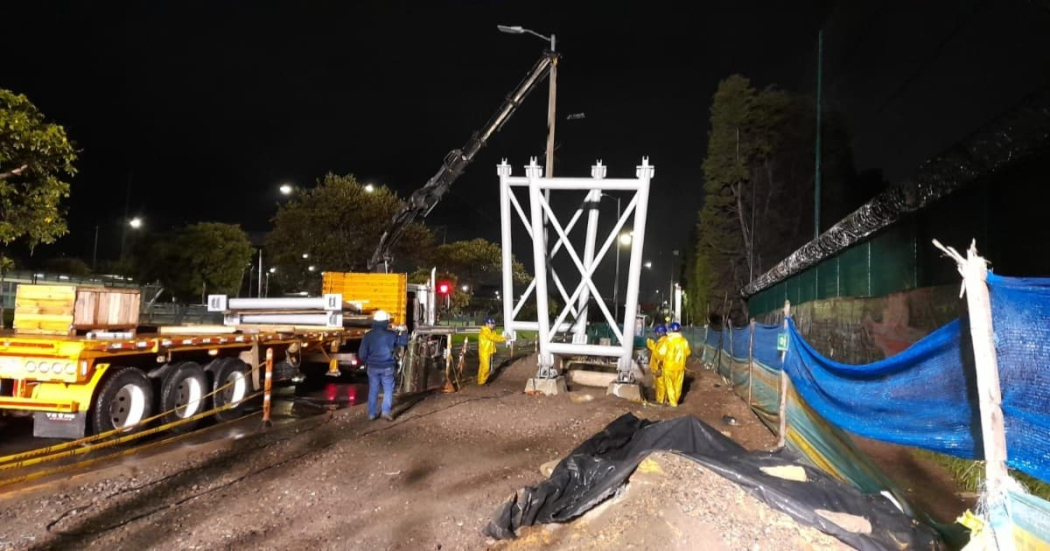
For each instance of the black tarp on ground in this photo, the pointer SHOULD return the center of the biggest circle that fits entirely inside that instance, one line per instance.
(598, 467)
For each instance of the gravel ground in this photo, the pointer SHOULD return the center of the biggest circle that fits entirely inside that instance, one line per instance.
(429, 480)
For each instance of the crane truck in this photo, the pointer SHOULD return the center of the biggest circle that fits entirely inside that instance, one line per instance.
(77, 363)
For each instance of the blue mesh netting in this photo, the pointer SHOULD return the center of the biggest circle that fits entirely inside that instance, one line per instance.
(741, 343)
(892, 400)
(1021, 321)
(926, 395)
(712, 338)
(766, 345)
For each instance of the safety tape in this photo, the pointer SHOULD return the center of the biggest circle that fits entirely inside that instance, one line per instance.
(87, 462)
(126, 438)
(102, 436)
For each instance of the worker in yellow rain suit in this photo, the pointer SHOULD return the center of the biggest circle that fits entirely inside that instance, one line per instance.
(487, 340)
(673, 353)
(654, 363)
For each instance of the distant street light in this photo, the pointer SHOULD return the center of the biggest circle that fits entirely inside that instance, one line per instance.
(135, 223)
(311, 268)
(625, 239)
(306, 255)
(648, 264)
(286, 189)
(369, 188)
(466, 288)
(273, 270)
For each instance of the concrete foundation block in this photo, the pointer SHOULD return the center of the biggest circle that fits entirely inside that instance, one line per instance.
(548, 387)
(627, 391)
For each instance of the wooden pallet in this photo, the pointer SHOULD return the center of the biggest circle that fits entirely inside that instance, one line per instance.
(69, 310)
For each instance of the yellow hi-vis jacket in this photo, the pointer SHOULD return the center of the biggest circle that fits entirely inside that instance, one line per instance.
(673, 352)
(487, 340)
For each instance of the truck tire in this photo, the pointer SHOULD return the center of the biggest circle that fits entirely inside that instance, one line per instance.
(124, 400)
(183, 391)
(235, 373)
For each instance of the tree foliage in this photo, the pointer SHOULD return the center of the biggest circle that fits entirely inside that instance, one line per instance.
(36, 160)
(475, 262)
(758, 188)
(337, 225)
(202, 259)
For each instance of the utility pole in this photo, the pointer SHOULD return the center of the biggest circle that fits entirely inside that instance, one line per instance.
(94, 252)
(124, 222)
(551, 101)
(260, 288)
(816, 177)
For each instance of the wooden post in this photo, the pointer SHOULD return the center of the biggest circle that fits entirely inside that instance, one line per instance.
(974, 270)
(267, 387)
(784, 383)
(732, 382)
(704, 355)
(750, 361)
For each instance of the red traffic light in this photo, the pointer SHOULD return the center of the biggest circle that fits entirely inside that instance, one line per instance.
(443, 288)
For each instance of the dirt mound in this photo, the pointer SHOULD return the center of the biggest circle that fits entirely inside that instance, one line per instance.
(671, 502)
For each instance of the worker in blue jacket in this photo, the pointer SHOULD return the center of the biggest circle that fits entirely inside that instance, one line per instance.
(377, 352)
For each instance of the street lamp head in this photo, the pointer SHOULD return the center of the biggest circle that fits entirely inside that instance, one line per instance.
(306, 255)
(135, 222)
(273, 270)
(648, 264)
(466, 288)
(510, 30)
(625, 239)
(286, 189)
(311, 268)
(369, 188)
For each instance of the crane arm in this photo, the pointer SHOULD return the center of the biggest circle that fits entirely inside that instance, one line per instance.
(424, 199)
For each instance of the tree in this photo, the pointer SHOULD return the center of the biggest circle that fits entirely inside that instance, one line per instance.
(203, 258)
(337, 226)
(67, 265)
(475, 262)
(35, 160)
(758, 186)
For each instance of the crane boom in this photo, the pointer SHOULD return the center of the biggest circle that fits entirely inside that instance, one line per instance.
(424, 199)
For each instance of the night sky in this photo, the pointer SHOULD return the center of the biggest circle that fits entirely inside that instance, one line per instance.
(207, 107)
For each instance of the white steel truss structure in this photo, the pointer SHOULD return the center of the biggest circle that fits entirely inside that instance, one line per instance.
(536, 222)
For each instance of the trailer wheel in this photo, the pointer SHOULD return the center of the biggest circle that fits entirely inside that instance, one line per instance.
(233, 372)
(125, 399)
(183, 391)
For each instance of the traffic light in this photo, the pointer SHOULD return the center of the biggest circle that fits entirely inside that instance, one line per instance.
(444, 288)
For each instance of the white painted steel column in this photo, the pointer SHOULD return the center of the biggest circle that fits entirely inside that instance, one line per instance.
(539, 255)
(591, 203)
(644, 172)
(507, 252)
(677, 316)
(432, 298)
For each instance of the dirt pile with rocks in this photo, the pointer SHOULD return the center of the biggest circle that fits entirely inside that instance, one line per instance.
(672, 502)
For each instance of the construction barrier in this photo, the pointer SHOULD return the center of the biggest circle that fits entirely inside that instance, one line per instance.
(925, 397)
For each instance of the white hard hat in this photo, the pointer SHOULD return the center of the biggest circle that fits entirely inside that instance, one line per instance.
(381, 315)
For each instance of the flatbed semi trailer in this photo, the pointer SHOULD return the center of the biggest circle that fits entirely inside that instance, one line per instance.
(73, 385)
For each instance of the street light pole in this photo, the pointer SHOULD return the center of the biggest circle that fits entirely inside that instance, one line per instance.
(94, 252)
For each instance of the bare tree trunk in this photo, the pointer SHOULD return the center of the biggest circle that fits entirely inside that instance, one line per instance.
(738, 194)
(3, 297)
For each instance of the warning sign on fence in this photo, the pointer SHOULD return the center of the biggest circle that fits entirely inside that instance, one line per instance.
(782, 342)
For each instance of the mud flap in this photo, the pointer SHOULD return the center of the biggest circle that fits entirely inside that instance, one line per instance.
(49, 424)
